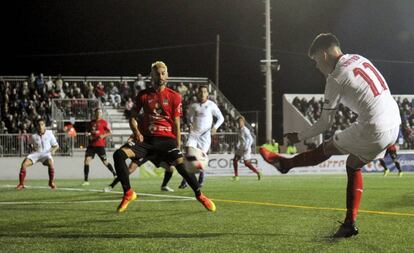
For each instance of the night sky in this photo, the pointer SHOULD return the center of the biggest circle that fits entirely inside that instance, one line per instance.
(116, 38)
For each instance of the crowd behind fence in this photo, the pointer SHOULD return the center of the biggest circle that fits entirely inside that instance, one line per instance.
(12, 145)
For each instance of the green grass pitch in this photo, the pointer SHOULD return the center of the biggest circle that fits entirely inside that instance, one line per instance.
(278, 214)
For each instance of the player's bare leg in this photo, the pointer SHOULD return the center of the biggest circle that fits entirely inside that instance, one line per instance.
(51, 172)
(22, 175)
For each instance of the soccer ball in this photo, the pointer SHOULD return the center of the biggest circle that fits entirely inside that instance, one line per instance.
(195, 160)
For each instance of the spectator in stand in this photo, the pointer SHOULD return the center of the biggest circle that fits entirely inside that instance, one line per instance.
(59, 82)
(77, 93)
(59, 91)
(49, 84)
(40, 83)
(272, 146)
(32, 78)
(128, 107)
(139, 84)
(182, 89)
(100, 92)
(90, 91)
(125, 91)
(114, 95)
(3, 128)
(66, 88)
(291, 148)
(25, 89)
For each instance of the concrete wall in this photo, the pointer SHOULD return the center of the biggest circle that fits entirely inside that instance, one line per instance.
(65, 167)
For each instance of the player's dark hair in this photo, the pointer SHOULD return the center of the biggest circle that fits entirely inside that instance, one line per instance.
(39, 120)
(203, 86)
(321, 42)
(97, 108)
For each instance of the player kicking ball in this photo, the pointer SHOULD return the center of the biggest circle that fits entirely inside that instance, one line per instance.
(156, 136)
(45, 145)
(353, 81)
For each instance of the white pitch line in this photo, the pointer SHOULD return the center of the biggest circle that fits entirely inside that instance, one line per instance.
(94, 190)
(85, 202)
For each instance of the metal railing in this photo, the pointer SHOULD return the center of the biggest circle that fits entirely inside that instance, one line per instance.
(71, 109)
(12, 145)
(20, 144)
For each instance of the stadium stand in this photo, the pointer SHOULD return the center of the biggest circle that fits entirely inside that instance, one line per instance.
(71, 99)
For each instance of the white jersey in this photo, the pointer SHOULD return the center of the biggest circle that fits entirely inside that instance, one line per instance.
(200, 116)
(357, 84)
(245, 139)
(43, 143)
(244, 144)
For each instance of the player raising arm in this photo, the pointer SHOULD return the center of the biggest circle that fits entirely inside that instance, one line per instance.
(353, 81)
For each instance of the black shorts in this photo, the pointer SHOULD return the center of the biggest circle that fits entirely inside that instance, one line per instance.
(100, 151)
(156, 149)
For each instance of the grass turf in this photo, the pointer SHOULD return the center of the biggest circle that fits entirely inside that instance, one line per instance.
(278, 214)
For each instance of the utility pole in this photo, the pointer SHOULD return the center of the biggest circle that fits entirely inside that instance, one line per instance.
(268, 69)
(217, 60)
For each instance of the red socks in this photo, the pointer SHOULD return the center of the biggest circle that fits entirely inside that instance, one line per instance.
(22, 175)
(308, 158)
(251, 167)
(235, 167)
(353, 193)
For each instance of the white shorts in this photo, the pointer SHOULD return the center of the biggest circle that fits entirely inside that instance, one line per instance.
(202, 142)
(39, 157)
(245, 154)
(363, 142)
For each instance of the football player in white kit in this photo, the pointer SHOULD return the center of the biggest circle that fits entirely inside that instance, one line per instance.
(45, 145)
(244, 149)
(353, 81)
(200, 116)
